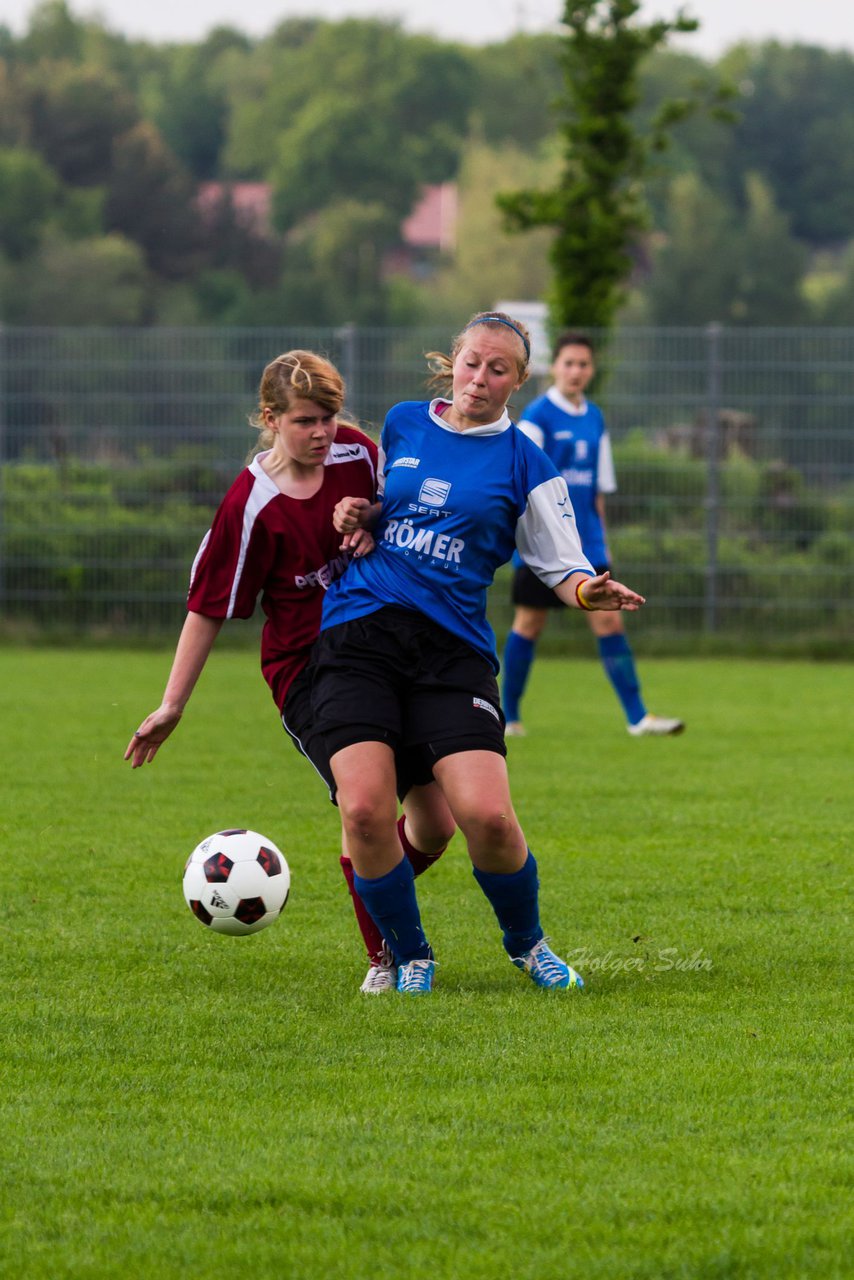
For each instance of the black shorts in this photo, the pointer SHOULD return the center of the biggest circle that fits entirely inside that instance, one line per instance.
(529, 591)
(298, 722)
(395, 676)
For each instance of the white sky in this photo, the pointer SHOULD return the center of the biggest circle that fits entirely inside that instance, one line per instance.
(723, 22)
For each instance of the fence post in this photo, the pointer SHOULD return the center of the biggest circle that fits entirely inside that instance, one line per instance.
(713, 458)
(3, 412)
(346, 335)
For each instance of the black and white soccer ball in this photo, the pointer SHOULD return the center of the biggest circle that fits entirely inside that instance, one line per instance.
(236, 881)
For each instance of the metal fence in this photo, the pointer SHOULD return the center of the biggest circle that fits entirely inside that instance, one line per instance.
(734, 452)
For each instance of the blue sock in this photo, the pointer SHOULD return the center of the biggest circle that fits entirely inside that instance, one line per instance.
(516, 902)
(619, 667)
(393, 907)
(516, 663)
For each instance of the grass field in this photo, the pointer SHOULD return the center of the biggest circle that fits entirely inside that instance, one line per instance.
(176, 1103)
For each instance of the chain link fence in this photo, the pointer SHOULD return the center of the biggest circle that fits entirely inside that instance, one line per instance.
(734, 451)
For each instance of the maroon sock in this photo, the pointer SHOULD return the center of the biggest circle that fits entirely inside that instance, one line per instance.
(373, 939)
(420, 861)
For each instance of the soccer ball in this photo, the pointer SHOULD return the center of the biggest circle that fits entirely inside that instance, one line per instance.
(236, 881)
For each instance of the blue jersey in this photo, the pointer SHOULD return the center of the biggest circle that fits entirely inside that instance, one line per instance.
(454, 506)
(576, 439)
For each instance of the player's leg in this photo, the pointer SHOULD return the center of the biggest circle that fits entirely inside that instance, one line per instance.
(531, 600)
(426, 826)
(478, 793)
(384, 880)
(618, 660)
(424, 830)
(356, 703)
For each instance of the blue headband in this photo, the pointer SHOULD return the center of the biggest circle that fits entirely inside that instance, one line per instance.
(507, 324)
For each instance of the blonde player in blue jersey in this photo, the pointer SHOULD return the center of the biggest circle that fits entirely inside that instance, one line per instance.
(572, 432)
(406, 658)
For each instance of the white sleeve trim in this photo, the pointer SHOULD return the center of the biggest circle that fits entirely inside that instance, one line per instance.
(533, 432)
(255, 504)
(381, 472)
(607, 477)
(547, 535)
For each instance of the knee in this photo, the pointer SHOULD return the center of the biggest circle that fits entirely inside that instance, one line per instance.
(365, 815)
(606, 623)
(438, 837)
(491, 828)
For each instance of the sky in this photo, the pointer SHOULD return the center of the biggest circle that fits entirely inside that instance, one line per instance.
(829, 23)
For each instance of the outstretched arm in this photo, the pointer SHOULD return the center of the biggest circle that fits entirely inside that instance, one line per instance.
(601, 592)
(194, 645)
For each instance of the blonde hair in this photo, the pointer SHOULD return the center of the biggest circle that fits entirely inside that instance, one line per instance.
(295, 375)
(442, 366)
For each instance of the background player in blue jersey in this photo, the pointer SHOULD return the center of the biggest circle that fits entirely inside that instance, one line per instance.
(572, 432)
(406, 658)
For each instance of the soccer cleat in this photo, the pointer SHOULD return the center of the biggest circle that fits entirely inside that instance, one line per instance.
(416, 977)
(546, 969)
(659, 726)
(382, 975)
(515, 729)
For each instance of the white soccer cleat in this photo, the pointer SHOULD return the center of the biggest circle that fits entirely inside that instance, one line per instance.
(382, 976)
(658, 726)
(515, 729)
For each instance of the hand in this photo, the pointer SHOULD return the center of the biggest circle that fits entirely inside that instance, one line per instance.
(603, 593)
(359, 543)
(151, 735)
(350, 514)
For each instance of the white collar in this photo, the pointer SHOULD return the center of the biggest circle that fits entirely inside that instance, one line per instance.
(488, 429)
(576, 410)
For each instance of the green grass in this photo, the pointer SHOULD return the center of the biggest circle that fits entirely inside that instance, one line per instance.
(176, 1103)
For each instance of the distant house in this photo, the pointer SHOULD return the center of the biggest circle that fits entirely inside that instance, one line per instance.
(428, 232)
(251, 201)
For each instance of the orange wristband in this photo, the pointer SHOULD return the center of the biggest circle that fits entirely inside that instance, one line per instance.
(582, 603)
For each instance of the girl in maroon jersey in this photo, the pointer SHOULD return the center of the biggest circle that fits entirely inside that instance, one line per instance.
(273, 537)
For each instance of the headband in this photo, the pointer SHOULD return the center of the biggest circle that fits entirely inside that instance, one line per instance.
(508, 324)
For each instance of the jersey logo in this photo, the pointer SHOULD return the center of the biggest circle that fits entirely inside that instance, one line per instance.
(563, 435)
(483, 705)
(580, 450)
(405, 462)
(434, 493)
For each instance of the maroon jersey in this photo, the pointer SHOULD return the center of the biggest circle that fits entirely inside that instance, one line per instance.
(284, 549)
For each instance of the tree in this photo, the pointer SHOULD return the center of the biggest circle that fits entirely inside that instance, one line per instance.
(487, 263)
(99, 281)
(796, 129)
(715, 264)
(597, 207)
(192, 110)
(350, 111)
(150, 200)
(28, 196)
(76, 114)
(516, 86)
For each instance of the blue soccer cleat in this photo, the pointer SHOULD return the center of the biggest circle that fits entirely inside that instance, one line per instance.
(546, 969)
(416, 977)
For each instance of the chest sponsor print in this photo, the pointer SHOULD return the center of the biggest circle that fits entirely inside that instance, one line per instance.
(434, 493)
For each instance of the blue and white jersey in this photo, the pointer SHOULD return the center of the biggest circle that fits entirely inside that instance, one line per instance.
(454, 506)
(577, 441)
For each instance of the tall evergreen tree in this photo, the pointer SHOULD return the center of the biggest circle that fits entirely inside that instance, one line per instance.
(596, 208)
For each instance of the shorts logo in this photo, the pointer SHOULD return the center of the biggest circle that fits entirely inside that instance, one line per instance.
(434, 493)
(405, 462)
(483, 705)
